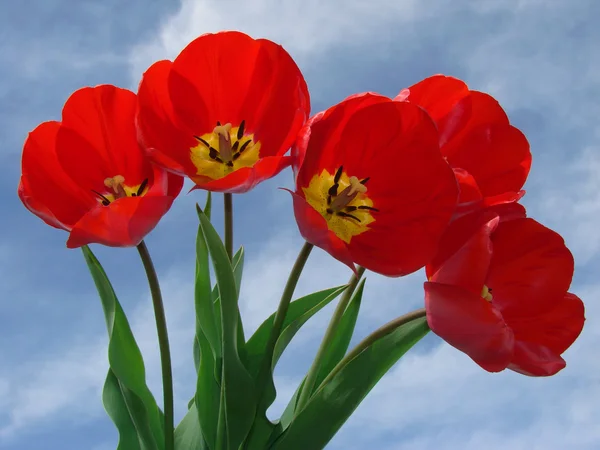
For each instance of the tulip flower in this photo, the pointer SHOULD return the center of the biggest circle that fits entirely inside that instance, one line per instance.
(490, 157)
(88, 175)
(501, 296)
(371, 185)
(224, 112)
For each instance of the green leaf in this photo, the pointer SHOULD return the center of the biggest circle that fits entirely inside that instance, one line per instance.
(333, 403)
(127, 366)
(205, 313)
(206, 398)
(298, 313)
(238, 268)
(116, 407)
(288, 413)
(343, 335)
(237, 386)
(187, 434)
(208, 204)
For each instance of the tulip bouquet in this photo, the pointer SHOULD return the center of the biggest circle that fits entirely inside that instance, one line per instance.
(431, 178)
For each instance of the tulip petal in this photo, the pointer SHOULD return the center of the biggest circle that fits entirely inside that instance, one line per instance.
(496, 155)
(544, 337)
(165, 143)
(465, 252)
(123, 223)
(313, 228)
(469, 323)
(98, 139)
(244, 179)
(45, 188)
(446, 100)
(531, 265)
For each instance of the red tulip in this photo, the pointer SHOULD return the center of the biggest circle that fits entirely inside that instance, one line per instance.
(371, 185)
(490, 157)
(500, 295)
(88, 175)
(224, 112)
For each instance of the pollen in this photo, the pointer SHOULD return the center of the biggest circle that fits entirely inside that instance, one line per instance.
(224, 150)
(116, 184)
(486, 293)
(118, 189)
(343, 202)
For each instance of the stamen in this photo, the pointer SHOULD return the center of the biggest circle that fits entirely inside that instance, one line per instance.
(356, 186)
(338, 175)
(225, 149)
(370, 208)
(365, 181)
(486, 293)
(348, 216)
(105, 201)
(142, 187)
(116, 184)
(202, 140)
(240, 132)
(244, 146)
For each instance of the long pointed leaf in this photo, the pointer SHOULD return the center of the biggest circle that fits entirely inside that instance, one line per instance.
(299, 312)
(333, 403)
(126, 362)
(187, 434)
(343, 335)
(116, 407)
(236, 383)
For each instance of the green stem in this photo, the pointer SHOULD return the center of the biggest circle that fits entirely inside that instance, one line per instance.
(313, 372)
(228, 204)
(382, 331)
(282, 309)
(163, 343)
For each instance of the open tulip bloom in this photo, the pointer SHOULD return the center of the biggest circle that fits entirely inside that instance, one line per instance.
(429, 179)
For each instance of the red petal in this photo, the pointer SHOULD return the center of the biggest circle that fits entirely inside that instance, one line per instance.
(535, 360)
(230, 77)
(468, 188)
(464, 253)
(415, 191)
(544, 337)
(45, 188)
(445, 99)
(497, 156)
(317, 144)
(124, 223)
(166, 144)
(470, 324)
(313, 229)
(244, 179)
(98, 139)
(530, 266)
(484, 110)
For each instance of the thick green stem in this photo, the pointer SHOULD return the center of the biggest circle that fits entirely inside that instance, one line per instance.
(228, 203)
(313, 372)
(382, 331)
(163, 343)
(282, 309)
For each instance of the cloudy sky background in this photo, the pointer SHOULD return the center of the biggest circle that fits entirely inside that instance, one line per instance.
(538, 57)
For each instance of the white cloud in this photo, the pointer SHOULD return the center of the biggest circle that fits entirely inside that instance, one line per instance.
(303, 28)
(441, 399)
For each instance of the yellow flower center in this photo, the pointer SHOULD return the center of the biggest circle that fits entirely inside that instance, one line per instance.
(224, 150)
(343, 201)
(486, 293)
(118, 189)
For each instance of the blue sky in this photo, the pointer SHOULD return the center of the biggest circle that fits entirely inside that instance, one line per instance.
(538, 57)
